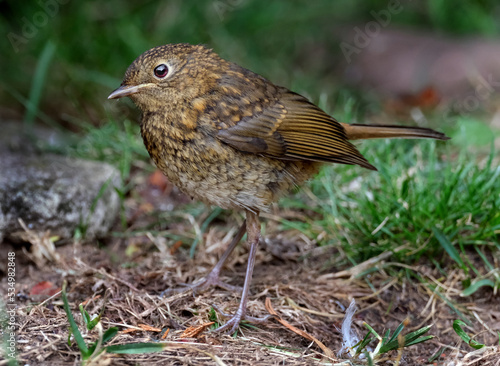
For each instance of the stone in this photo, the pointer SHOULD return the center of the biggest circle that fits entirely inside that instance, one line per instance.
(57, 194)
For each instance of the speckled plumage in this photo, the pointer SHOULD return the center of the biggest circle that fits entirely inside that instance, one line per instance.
(229, 137)
(184, 126)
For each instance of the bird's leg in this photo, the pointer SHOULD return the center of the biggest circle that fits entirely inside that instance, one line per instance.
(212, 279)
(253, 231)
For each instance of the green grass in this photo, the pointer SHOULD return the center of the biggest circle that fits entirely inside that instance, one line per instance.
(416, 196)
(440, 208)
(90, 351)
(116, 142)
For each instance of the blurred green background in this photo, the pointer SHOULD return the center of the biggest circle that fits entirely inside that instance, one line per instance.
(294, 43)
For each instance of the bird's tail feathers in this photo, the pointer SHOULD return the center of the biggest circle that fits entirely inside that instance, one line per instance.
(363, 132)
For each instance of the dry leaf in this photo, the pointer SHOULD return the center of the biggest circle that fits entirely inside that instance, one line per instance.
(148, 328)
(144, 327)
(193, 331)
(44, 289)
(165, 334)
(176, 246)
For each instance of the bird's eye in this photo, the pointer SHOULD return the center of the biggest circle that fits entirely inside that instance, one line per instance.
(161, 71)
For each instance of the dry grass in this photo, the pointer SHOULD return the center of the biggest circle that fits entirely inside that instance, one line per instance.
(301, 293)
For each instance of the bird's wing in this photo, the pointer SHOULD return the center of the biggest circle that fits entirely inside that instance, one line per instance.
(289, 127)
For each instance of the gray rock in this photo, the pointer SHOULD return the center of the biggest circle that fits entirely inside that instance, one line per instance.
(56, 193)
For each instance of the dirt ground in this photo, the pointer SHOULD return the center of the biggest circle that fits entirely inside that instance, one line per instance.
(302, 292)
(126, 274)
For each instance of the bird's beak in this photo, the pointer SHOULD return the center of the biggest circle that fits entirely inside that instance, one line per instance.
(126, 90)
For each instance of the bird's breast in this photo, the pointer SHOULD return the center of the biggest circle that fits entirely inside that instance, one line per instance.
(208, 170)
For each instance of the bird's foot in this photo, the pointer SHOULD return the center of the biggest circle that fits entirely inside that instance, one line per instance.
(212, 279)
(234, 322)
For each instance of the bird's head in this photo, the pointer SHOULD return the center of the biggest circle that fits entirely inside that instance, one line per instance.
(167, 75)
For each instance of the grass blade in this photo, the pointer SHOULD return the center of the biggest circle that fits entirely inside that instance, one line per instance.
(418, 340)
(396, 332)
(136, 348)
(372, 330)
(409, 340)
(448, 246)
(109, 334)
(386, 336)
(38, 83)
(436, 355)
(477, 285)
(457, 327)
(73, 326)
(363, 343)
(86, 316)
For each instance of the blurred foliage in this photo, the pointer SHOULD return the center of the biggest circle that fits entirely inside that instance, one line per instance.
(295, 43)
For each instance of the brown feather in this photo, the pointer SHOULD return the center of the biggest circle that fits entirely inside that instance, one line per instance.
(286, 126)
(364, 132)
(294, 129)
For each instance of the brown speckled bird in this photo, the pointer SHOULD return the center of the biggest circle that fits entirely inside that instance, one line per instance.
(229, 137)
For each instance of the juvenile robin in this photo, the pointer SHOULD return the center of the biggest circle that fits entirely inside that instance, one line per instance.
(229, 137)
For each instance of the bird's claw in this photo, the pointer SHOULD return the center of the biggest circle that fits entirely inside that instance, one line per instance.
(233, 323)
(213, 280)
